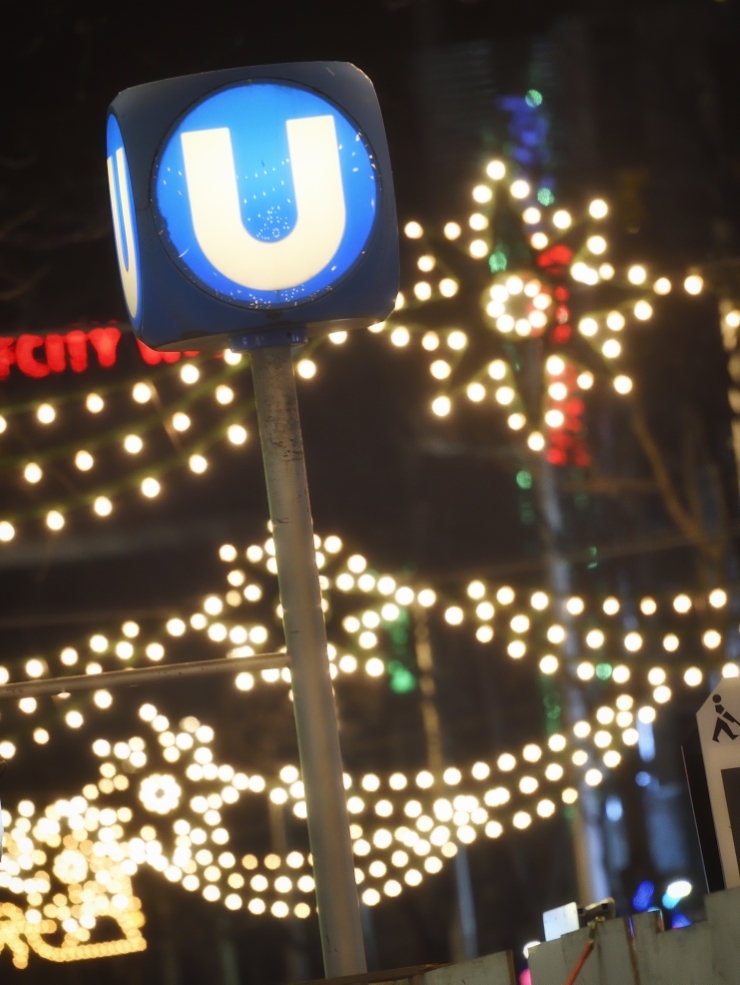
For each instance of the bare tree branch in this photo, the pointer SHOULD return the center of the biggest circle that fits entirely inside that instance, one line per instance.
(18, 220)
(25, 285)
(684, 520)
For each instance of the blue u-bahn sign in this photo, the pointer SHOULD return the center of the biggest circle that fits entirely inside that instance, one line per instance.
(251, 201)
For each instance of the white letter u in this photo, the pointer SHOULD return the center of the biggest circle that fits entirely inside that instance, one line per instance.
(214, 203)
(129, 274)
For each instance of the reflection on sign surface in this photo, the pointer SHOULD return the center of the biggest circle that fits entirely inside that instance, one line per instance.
(266, 194)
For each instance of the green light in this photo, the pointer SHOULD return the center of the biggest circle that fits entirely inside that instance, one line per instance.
(524, 479)
(527, 514)
(402, 680)
(533, 98)
(603, 671)
(545, 196)
(497, 261)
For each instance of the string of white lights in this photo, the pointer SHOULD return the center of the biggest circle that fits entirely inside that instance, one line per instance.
(641, 683)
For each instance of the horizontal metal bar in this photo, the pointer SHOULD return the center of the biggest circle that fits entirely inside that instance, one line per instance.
(140, 675)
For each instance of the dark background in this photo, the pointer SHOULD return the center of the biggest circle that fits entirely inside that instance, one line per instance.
(640, 102)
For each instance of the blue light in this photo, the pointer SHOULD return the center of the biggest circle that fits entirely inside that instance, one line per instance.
(124, 220)
(613, 808)
(679, 920)
(669, 902)
(643, 898)
(265, 194)
(646, 741)
(643, 779)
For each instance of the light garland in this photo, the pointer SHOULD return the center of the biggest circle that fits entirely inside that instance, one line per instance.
(544, 312)
(525, 630)
(176, 418)
(388, 859)
(641, 681)
(533, 300)
(436, 812)
(93, 881)
(88, 848)
(404, 827)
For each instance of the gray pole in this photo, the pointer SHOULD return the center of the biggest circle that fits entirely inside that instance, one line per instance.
(139, 675)
(463, 931)
(588, 840)
(305, 636)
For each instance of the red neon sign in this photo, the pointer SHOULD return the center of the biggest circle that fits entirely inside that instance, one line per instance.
(37, 356)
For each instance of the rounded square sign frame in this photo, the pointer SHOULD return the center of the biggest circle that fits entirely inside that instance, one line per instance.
(182, 303)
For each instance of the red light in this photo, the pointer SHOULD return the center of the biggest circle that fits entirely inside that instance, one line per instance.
(555, 457)
(27, 362)
(77, 348)
(7, 357)
(561, 333)
(23, 352)
(556, 258)
(55, 356)
(566, 444)
(560, 440)
(104, 342)
(153, 358)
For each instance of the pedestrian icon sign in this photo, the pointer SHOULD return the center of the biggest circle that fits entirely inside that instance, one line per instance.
(718, 721)
(721, 726)
(257, 199)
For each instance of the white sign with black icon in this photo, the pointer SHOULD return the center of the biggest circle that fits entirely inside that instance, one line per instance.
(718, 720)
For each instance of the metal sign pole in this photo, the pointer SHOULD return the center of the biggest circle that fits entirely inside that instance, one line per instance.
(208, 274)
(305, 636)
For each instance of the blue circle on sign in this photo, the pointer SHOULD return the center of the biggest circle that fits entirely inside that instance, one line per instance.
(266, 194)
(123, 213)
